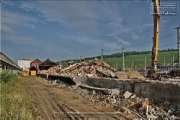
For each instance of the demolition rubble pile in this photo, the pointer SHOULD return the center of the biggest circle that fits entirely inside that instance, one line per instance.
(131, 105)
(127, 103)
(94, 68)
(54, 70)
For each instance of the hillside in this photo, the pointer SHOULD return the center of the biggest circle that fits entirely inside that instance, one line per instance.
(138, 61)
(133, 60)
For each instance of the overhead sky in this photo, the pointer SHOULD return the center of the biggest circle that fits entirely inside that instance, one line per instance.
(61, 30)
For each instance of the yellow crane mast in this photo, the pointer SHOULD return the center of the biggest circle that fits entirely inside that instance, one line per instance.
(155, 48)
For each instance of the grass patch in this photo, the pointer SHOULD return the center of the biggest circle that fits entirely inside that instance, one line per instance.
(15, 102)
(138, 61)
(7, 76)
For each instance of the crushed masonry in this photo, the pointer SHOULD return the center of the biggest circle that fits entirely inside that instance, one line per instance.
(92, 68)
(127, 103)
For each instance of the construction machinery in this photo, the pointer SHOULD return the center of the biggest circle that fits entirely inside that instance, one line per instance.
(156, 34)
(154, 72)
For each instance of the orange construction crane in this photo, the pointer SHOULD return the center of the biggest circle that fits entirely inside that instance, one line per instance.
(155, 48)
(154, 73)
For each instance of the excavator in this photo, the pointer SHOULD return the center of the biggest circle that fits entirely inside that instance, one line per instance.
(154, 73)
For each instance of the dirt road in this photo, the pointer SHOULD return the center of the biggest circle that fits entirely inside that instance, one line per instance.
(51, 102)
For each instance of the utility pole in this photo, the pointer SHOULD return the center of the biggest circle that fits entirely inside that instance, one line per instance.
(132, 65)
(173, 61)
(164, 68)
(178, 45)
(123, 57)
(60, 64)
(145, 63)
(102, 54)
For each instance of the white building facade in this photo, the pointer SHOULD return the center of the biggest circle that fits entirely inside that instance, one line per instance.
(24, 63)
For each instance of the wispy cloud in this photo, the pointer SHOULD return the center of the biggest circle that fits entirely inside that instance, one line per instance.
(32, 26)
(74, 28)
(113, 46)
(13, 18)
(17, 39)
(7, 2)
(135, 37)
(6, 29)
(28, 7)
(124, 42)
(119, 32)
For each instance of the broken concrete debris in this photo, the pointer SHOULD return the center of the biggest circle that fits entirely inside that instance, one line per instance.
(127, 94)
(92, 68)
(126, 102)
(129, 105)
(115, 92)
(95, 68)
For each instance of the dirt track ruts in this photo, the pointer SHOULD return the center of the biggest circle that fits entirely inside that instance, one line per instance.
(50, 101)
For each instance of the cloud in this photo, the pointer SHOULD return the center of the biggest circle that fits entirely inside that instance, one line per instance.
(69, 14)
(135, 37)
(7, 2)
(81, 16)
(6, 29)
(119, 32)
(12, 22)
(74, 28)
(32, 26)
(28, 7)
(122, 41)
(17, 39)
(13, 18)
(113, 46)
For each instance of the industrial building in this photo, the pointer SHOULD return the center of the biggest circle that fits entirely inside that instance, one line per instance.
(24, 63)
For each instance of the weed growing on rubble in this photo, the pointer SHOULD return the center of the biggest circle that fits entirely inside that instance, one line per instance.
(15, 103)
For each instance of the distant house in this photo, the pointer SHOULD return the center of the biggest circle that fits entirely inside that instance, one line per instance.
(47, 64)
(24, 63)
(35, 63)
(34, 66)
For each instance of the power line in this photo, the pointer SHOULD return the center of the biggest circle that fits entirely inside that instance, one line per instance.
(162, 37)
(167, 44)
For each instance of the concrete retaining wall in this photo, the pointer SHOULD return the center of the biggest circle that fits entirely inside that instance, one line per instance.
(158, 91)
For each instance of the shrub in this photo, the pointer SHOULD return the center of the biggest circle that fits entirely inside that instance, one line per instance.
(7, 76)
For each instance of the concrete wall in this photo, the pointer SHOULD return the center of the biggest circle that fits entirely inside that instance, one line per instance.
(158, 91)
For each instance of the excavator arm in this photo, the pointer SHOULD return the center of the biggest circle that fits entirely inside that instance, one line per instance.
(156, 34)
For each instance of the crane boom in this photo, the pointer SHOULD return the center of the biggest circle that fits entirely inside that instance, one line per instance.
(156, 33)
